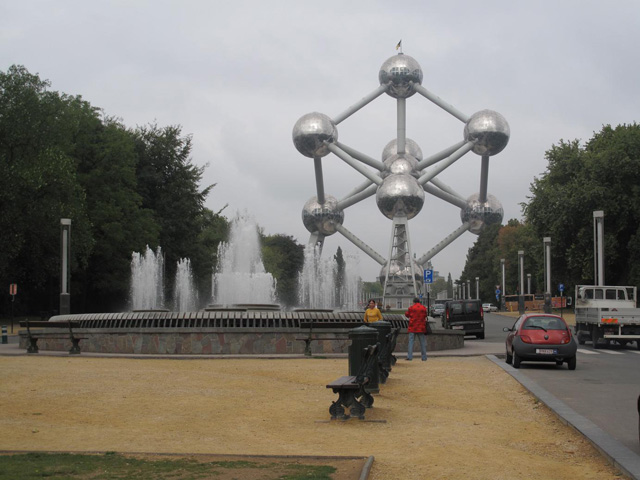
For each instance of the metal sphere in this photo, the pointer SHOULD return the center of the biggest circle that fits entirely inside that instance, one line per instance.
(410, 147)
(480, 214)
(398, 71)
(400, 195)
(396, 270)
(400, 163)
(311, 131)
(322, 218)
(489, 130)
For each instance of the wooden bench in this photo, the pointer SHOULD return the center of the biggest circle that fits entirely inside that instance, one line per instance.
(310, 325)
(34, 337)
(351, 389)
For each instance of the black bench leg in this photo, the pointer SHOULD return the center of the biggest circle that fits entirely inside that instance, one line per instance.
(366, 398)
(33, 346)
(337, 411)
(75, 347)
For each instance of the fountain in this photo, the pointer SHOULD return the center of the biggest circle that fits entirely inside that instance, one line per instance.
(241, 277)
(147, 288)
(185, 297)
(317, 284)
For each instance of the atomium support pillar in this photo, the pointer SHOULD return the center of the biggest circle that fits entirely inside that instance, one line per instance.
(400, 272)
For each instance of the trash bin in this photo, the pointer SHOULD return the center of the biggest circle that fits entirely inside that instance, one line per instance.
(361, 338)
(384, 329)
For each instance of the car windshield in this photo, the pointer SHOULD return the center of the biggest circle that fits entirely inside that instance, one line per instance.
(544, 323)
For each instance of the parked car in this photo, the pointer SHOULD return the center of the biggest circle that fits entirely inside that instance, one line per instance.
(464, 315)
(540, 338)
(437, 310)
(489, 307)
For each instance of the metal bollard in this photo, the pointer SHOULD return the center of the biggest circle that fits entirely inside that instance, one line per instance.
(5, 339)
(361, 338)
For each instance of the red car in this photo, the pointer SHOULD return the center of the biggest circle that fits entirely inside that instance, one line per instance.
(539, 337)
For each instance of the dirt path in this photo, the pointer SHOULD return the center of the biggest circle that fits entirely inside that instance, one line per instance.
(446, 418)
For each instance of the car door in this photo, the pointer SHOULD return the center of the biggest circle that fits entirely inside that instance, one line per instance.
(512, 333)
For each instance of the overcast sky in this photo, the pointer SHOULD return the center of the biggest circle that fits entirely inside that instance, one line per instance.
(238, 75)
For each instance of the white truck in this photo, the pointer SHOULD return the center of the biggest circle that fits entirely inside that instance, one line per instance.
(606, 314)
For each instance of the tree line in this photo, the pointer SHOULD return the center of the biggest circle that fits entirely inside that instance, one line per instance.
(123, 188)
(603, 174)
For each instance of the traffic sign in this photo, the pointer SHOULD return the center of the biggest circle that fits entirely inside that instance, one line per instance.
(13, 289)
(561, 287)
(497, 292)
(428, 276)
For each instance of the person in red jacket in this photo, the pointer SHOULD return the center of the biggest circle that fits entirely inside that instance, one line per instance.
(417, 315)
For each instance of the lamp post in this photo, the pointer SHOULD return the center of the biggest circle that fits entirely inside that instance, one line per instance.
(65, 250)
(468, 289)
(529, 283)
(546, 241)
(477, 288)
(521, 278)
(504, 285)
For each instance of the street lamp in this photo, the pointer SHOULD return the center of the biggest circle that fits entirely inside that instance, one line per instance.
(65, 250)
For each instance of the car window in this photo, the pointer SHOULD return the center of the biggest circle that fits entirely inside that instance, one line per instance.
(455, 308)
(472, 307)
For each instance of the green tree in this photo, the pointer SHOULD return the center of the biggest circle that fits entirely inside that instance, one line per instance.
(602, 175)
(283, 257)
(38, 186)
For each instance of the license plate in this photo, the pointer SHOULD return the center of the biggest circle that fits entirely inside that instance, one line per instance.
(546, 351)
(457, 327)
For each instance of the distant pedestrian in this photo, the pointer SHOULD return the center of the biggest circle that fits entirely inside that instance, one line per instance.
(372, 313)
(417, 315)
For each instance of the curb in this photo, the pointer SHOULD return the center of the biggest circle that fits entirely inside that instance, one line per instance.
(619, 455)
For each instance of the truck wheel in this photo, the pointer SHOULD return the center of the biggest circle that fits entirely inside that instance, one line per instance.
(516, 360)
(572, 363)
(595, 336)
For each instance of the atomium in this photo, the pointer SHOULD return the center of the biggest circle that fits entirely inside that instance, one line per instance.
(402, 177)
(479, 214)
(400, 195)
(401, 163)
(489, 132)
(399, 72)
(311, 132)
(322, 218)
(410, 147)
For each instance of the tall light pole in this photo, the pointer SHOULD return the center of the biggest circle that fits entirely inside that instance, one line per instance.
(468, 289)
(477, 288)
(598, 247)
(504, 285)
(521, 277)
(65, 250)
(547, 274)
(529, 283)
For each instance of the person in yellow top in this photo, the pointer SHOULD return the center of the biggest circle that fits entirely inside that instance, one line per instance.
(372, 314)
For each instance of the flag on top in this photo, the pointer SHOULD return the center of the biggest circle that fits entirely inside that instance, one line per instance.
(399, 45)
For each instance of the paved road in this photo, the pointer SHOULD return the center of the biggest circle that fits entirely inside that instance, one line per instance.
(604, 387)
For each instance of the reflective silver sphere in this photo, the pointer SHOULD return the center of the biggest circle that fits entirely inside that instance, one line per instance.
(410, 147)
(481, 214)
(400, 195)
(489, 130)
(395, 270)
(311, 131)
(398, 71)
(322, 218)
(400, 163)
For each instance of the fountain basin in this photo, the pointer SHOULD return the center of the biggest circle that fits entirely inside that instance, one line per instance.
(222, 332)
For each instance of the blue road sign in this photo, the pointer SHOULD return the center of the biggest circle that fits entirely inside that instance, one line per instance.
(561, 287)
(428, 276)
(497, 292)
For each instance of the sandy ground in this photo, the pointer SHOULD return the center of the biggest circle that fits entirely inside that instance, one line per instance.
(448, 418)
